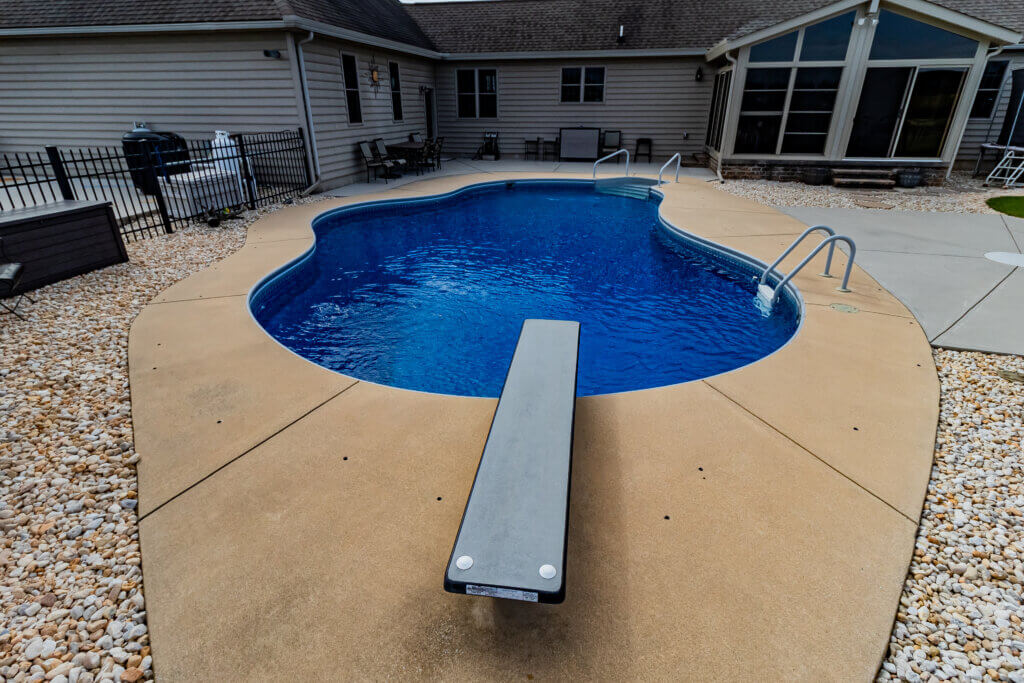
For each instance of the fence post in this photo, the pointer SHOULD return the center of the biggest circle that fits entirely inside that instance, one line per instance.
(306, 160)
(59, 172)
(247, 177)
(150, 170)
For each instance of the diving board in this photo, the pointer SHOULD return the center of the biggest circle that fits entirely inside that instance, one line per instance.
(512, 540)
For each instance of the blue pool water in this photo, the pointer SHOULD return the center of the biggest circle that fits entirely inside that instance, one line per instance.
(431, 294)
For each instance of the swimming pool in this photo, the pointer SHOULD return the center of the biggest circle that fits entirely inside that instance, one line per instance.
(430, 293)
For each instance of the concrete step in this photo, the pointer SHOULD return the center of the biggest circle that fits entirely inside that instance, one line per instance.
(884, 183)
(863, 172)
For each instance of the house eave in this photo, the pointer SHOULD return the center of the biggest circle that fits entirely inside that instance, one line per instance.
(290, 22)
(995, 34)
(572, 54)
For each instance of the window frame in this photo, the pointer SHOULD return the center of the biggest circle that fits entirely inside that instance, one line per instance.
(794, 66)
(349, 89)
(395, 83)
(998, 90)
(476, 93)
(583, 68)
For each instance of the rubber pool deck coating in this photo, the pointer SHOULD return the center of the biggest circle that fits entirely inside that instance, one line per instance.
(756, 525)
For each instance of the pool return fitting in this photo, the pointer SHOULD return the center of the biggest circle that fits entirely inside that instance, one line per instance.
(768, 295)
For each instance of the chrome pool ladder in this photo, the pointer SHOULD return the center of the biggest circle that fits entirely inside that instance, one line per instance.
(612, 156)
(678, 158)
(769, 294)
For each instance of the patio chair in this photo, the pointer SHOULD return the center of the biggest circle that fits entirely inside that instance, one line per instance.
(372, 161)
(382, 153)
(534, 147)
(424, 160)
(415, 137)
(643, 147)
(438, 145)
(611, 140)
(10, 276)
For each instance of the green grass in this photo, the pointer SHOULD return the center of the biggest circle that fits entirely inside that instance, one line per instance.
(1012, 206)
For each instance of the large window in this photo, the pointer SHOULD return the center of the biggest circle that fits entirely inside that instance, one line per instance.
(911, 90)
(396, 91)
(716, 115)
(789, 96)
(350, 74)
(988, 91)
(900, 37)
(583, 84)
(477, 93)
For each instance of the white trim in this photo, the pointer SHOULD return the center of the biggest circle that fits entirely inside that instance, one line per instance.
(571, 54)
(962, 22)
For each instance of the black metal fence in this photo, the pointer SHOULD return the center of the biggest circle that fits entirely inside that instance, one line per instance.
(156, 187)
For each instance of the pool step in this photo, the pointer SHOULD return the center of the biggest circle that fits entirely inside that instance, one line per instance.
(639, 188)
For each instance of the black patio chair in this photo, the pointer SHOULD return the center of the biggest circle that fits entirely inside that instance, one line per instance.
(611, 140)
(371, 161)
(381, 150)
(438, 145)
(424, 160)
(10, 277)
(643, 148)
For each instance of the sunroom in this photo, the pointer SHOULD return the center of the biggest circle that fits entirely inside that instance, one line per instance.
(850, 88)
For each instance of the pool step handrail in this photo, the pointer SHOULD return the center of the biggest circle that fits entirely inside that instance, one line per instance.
(815, 228)
(612, 156)
(830, 242)
(678, 158)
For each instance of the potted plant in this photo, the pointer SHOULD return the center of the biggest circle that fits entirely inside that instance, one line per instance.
(814, 175)
(908, 177)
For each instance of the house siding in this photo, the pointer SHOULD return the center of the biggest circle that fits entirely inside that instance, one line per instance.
(979, 131)
(87, 91)
(656, 98)
(336, 138)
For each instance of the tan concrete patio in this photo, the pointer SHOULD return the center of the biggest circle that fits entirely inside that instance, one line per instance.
(756, 525)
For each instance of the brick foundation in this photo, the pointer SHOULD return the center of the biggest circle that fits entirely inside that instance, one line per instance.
(794, 172)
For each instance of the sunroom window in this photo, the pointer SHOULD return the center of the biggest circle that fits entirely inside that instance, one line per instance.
(900, 37)
(988, 91)
(789, 97)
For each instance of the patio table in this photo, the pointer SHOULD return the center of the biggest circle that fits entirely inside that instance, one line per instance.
(406, 150)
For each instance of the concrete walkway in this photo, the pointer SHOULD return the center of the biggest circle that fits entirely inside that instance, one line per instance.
(295, 523)
(935, 264)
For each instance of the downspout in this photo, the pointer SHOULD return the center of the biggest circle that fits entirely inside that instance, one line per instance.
(308, 110)
(963, 129)
(725, 115)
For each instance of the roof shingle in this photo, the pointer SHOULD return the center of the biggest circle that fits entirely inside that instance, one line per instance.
(572, 25)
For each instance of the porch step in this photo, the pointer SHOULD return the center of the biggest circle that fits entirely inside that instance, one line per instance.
(884, 183)
(883, 178)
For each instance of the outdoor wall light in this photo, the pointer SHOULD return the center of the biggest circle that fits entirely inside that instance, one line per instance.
(699, 76)
(272, 54)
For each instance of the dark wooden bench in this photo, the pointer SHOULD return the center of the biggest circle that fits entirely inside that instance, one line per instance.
(512, 540)
(62, 239)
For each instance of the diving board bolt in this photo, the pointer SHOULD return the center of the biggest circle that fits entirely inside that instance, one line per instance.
(464, 562)
(547, 571)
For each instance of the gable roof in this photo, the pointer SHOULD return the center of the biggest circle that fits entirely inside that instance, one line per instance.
(381, 18)
(583, 25)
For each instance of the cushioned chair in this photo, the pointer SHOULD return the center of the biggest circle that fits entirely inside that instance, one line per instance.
(415, 137)
(611, 140)
(381, 150)
(10, 276)
(371, 161)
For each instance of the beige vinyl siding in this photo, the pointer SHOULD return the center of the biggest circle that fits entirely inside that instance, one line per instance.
(336, 138)
(87, 91)
(657, 98)
(979, 131)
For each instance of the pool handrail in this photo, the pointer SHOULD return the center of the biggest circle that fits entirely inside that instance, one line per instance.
(610, 156)
(814, 252)
(678, 158)
(814, 228)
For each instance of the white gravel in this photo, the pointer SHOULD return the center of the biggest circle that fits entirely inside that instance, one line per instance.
(962, 194)
(961, 610)
(71, 601)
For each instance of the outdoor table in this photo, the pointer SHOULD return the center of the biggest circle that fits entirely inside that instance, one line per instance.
(406, 150)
